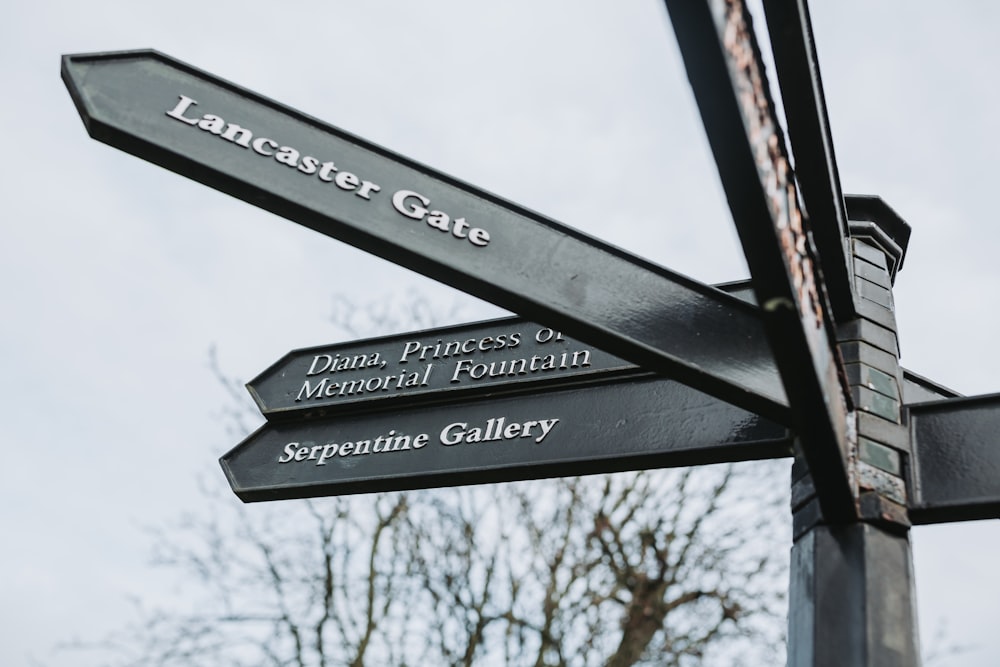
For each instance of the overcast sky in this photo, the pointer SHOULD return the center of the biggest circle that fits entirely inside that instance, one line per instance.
(118, 276)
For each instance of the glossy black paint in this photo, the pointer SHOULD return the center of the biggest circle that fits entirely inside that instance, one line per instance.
(956, 459)
(294, 386)
(504, 355)
(628, 425)
(850, 600)
(533, 266)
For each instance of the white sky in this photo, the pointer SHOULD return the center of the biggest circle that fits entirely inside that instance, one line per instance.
(116, 276)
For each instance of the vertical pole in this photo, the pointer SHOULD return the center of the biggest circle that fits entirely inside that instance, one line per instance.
(851, 599)
(726, 72)
(852, 579)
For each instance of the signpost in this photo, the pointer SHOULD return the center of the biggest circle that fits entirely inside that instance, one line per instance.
(850, 600)
(644, 368)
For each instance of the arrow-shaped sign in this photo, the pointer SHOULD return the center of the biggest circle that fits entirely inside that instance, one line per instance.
(633, 424)
(507, 355)
(314, 174)
(503, 355)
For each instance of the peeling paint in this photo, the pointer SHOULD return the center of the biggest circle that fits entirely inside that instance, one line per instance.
(773, 166)
(881, 482)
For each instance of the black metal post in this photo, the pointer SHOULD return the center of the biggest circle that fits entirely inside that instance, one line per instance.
(852, 599)
(852, 593)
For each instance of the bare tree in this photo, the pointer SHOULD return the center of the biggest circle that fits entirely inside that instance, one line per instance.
(669, 567)
(663, 567)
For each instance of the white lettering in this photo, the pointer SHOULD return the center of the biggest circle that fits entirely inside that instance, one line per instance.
(545, 335)
(308, 391)
(452, 434)
(238, 135)
(496, 429)
(287, 155)
(345, 180)
(212, 123)
(329, 450)
(315, 367)
(289, 452)
(178, 111)
(324, 173)
(309, 165)
(547, 426)
(259, 143)
(463, 365)
(409, 349)
(437, 219)
(410, 211)
(321, 454)
(406, 202)
(367, 187)
(479, 237)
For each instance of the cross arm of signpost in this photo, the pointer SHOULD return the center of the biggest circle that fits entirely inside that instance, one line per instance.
(317, 175)
(490, 358)
(956, 459)
(724, 67)
(617, 425)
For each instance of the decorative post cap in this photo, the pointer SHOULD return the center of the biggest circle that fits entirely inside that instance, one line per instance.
(869, 216)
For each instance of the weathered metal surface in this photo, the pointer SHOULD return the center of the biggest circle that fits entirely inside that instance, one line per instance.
(956, 459)
(797, 68)
(314, 174)
(871, 216)
(725, 71)
(851, 599)
(627, 425)
(918, 389)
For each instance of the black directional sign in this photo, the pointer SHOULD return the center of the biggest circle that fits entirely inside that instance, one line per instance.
(507, 355)
(956, 454)
(632, 424)
(314, 174)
